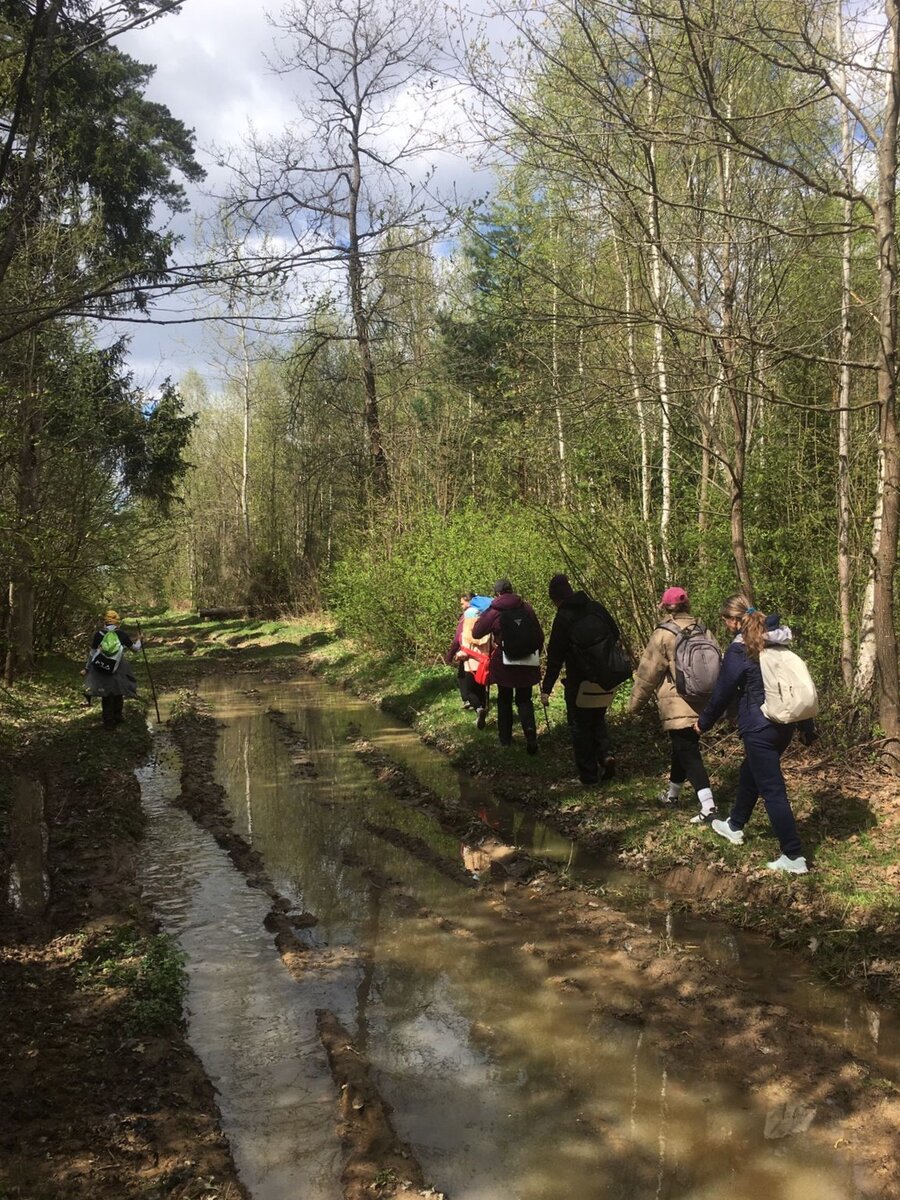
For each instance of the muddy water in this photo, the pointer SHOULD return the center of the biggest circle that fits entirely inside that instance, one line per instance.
(252, 1027)
(509, 1086)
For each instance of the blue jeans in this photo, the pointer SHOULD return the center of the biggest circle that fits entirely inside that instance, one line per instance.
(760, 775)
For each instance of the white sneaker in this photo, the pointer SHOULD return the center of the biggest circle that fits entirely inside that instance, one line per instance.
(723, 829)
(795, 866)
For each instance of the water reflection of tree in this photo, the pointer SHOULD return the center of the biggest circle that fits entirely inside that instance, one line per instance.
(368, 952)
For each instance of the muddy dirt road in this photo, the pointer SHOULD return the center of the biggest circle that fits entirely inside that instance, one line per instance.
(407, 997)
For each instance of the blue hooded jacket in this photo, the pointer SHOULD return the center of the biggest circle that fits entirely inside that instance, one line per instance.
(741, 678)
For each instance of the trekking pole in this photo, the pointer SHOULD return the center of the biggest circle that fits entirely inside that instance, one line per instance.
(149, 676)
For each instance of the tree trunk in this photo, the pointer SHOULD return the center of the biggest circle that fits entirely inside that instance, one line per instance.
(864, 676)
(378, 466)
(646, 483)
(707, 463)
(737, 394)
(659, 352)
(843, 396)
(20, 646)
(245, 452)
(888, 685)
(554, 345)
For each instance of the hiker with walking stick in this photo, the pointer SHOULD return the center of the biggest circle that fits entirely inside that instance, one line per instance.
(585, 639)
(108, 673)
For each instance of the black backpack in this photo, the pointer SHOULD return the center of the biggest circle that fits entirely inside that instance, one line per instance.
(520, 631)
(601, 656)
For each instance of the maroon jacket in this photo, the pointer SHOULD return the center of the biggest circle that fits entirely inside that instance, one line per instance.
(489, 623)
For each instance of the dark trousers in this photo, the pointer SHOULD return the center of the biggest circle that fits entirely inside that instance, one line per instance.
(687, 762)
(760, 775)
(472, 693)
(505, 714)
(112, 709)
(590, 739)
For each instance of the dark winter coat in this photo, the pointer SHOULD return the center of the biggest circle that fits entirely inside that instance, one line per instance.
(122, 681)
(740, 678)
(489, 623)
(561, 650)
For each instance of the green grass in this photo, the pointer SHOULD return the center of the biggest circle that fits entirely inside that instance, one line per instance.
(148, 969)
(43, 721)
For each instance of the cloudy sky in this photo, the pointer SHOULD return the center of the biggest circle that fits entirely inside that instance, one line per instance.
(212, 73)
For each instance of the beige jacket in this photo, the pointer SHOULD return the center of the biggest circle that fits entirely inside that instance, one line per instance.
(467, 642)
(656, 673)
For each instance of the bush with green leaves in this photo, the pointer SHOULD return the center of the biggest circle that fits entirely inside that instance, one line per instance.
(404, 599)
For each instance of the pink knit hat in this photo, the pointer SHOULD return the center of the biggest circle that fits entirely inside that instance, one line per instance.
(674, 595)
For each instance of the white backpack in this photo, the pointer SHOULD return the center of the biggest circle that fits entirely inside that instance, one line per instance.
(790, 692)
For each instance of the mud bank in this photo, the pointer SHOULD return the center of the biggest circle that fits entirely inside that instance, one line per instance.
(101, 1098)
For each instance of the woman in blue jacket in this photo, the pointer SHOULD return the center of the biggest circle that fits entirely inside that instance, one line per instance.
(764, 741)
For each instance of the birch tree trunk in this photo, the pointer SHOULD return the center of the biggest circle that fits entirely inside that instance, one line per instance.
(843, 397)
(554, 368)
(646, 482)
(864, 675)
(888, 686)
(659, 350)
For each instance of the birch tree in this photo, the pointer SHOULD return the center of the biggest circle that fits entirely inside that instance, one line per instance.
(345, 185)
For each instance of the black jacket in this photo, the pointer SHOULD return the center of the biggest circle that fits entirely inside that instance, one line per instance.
(560, 648)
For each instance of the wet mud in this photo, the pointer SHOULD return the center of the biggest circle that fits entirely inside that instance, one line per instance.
(477, 839)
(378, 1162)
(89, 1110)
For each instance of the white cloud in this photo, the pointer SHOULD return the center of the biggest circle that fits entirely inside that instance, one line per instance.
(212, 73)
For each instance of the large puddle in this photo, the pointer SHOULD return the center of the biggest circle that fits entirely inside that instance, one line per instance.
(508, 1087)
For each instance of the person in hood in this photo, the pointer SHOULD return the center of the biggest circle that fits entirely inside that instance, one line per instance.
(108, 673)
(586, 702)
(678, 715)
(515, 675)
(764, 741)
(466, 654)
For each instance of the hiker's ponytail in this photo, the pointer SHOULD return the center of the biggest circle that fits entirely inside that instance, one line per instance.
(753, 622)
